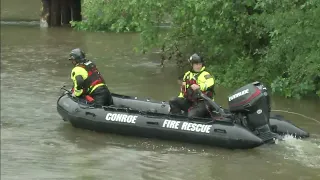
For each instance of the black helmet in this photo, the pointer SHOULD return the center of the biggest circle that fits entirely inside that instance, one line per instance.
(195, 58)
(78, 55)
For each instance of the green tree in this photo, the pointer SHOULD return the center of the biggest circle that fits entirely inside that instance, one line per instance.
(276, 42)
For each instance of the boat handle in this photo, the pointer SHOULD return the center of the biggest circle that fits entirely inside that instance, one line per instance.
(152, 123)
(92, 114)
(220, 131)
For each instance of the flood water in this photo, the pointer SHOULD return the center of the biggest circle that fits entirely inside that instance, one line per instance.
(13, 10)
(37, 144)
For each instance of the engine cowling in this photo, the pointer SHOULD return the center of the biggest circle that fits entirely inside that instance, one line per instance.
(253, 102)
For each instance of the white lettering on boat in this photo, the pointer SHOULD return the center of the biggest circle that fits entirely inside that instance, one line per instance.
(121, 118)
(171, 124)
(186, 126)
(241, 93)
(194, 127)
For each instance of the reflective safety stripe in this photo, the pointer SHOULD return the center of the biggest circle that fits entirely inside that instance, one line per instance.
(95, 87)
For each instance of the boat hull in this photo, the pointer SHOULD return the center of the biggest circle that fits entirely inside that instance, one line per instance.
(151, 119)
(154, 125)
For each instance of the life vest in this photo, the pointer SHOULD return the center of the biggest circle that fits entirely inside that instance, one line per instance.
(187, 91)
(94, 77)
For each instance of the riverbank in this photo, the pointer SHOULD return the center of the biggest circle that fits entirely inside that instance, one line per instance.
(241, 42)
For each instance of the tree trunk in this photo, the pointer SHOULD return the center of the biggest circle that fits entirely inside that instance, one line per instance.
(44, 19)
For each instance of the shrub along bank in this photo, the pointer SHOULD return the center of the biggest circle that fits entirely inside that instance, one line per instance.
(276, 42)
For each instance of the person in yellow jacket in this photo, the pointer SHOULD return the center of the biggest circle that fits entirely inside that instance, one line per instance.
(188, 100)
(87, 80)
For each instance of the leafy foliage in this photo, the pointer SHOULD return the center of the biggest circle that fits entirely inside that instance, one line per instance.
(276, 42)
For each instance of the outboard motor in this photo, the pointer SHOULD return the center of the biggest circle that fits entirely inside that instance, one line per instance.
(252, 103)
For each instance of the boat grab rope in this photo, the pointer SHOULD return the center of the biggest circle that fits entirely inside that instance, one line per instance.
(289, 112)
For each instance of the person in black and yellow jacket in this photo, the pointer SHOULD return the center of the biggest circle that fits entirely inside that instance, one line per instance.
(88, 82)
(188, 100)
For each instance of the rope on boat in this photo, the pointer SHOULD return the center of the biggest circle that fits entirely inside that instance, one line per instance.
(289, 112)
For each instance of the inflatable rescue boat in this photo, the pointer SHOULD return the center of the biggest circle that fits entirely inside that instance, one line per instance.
(246, 124)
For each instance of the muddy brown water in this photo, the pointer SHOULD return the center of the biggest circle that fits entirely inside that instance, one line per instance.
(37, 144)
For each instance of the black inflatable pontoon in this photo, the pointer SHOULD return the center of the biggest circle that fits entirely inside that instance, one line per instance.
(247, 124)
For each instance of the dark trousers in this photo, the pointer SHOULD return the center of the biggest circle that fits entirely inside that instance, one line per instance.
(197, 109)
(102, 96)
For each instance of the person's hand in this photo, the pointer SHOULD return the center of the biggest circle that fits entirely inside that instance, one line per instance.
(73, 94)
(195, 86)
(183, 86)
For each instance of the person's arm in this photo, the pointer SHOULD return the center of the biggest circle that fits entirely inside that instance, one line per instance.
(78, 75)
(182, 83)
(208, 81)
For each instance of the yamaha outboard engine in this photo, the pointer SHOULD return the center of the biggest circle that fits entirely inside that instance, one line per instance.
(251, 103)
